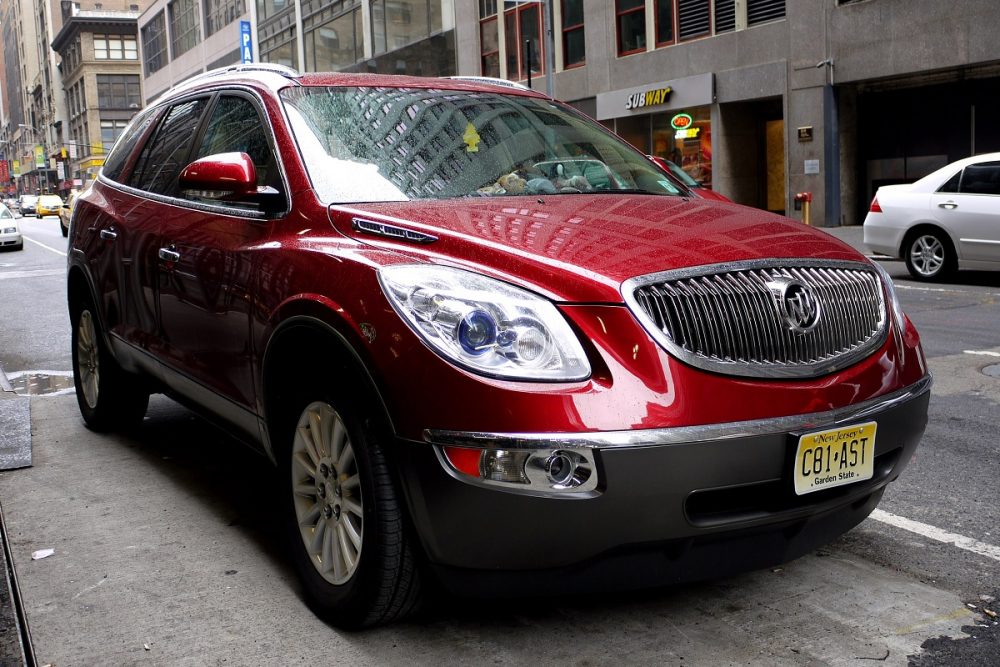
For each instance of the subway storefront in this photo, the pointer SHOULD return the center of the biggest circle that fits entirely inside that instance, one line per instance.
(670, 119)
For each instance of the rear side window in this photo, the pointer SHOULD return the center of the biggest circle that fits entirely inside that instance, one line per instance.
(167, 152)
(981, 179)
(116, 160)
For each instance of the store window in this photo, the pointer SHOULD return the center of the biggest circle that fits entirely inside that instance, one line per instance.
(630, 20)
(523, 27)
(683, 137)
(574, 53)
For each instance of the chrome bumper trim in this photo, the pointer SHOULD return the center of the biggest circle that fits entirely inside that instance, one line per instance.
(683, 434)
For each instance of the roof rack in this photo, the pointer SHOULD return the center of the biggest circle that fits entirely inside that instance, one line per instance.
(492, 81)
(281, 70)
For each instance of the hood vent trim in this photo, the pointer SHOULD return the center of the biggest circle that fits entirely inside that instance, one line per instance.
(389, 231)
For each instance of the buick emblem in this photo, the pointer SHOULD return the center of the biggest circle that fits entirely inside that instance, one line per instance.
(797, 304)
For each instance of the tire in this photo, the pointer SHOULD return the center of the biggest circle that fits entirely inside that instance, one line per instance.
(348, 534)
(64, 229)
(109, 397)
(930, 256)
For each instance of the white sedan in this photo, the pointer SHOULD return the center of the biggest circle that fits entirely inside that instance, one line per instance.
(947, 220)
(10, 231)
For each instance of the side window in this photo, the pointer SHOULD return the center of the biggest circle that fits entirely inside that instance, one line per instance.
(951, 185)
(981, 179)
(118, 157)
(235, 126)
(167, 152)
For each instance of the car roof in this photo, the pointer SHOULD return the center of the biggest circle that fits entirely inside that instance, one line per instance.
(277, 77)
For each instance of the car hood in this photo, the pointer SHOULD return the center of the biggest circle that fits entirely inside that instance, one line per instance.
(580, 248)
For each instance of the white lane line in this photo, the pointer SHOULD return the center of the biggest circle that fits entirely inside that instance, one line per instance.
(985, 353)
(940, 289)
(934, 533)
(58, 252)
(32, 273)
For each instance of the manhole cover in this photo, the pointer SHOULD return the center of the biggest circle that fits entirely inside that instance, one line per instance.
(40, 383)
(993, 370)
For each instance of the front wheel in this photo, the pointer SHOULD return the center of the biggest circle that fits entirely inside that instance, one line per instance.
(349, 540)
(109, 397)
(929, 256)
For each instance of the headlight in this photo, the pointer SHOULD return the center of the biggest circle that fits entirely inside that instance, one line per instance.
(484, 325)
(898, 318)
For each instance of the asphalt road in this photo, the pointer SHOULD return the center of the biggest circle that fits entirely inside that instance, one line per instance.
(166, 551)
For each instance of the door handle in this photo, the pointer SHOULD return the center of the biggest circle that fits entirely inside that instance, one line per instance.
(948, 205)
(168, 255)
(109, 234)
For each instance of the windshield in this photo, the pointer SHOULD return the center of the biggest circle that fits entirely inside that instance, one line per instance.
(394, 144)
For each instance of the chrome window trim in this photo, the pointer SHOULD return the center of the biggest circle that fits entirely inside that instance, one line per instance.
(679, 435)
(757, 370)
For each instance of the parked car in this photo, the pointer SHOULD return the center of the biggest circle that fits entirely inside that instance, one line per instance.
(26, 204)
(685, 180)
(943, 222)
(10, 231)
(462, 364)
(48, 205)
(66, 212)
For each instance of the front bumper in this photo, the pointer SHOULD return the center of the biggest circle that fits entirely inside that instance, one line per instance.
(672, 504)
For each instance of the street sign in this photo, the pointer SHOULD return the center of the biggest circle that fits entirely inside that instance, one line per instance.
(246, 42)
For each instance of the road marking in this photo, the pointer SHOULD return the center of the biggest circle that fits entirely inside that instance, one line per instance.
(940, 289)
(934, 533)
(985, 353)
(32, 273)
(58, 252)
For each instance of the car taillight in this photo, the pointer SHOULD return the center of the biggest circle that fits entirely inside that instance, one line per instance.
(875, 208)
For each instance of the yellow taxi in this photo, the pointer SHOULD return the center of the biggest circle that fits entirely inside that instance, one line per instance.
(48, 205)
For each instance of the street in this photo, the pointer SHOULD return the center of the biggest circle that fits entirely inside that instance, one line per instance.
(167, 551)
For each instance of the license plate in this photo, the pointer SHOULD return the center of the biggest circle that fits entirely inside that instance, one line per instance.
(836, 457)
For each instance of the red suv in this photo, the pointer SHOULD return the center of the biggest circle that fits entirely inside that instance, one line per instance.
(484, 339)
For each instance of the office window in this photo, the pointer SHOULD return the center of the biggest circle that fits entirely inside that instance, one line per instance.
(524, 24)
(630, 20)
(335, 44)
(693, 19)
(115, 47)
(396, 23)
(183, 26)
(762, 11)
(664, 12)
(118, 91)
(154, 44)
(220, 13)
(574, 53)
(110, 131)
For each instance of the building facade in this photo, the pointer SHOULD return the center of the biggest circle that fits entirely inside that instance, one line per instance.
(101, 79)
(763, 99)
(181, 38)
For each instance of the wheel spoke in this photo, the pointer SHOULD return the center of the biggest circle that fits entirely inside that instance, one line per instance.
(339, 571)
(337, 440)
(352, 533)
(346, 457)
(353, 507)
(317, 538)
(308, 519)
(316, 435)
(310, 447)
(305, 489)
(350, 558)
(351, 482)
(328, 556)
(306, 463)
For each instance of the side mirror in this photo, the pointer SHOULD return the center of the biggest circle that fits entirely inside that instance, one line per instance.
(220, 176)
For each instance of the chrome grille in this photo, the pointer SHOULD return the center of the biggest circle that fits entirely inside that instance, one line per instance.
(735, 319)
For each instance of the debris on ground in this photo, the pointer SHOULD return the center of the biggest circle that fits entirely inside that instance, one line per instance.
(42, 553)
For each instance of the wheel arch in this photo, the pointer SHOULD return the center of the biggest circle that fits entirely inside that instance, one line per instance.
(314, 328)
(922, 228)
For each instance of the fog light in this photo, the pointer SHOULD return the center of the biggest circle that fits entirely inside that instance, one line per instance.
(560, 469)
(504, 465)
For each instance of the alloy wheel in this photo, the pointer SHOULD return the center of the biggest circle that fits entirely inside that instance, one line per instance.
(327, 493)
(88, 358)
(927, 254)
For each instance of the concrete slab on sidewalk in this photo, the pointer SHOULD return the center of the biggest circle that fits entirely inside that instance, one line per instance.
(15, 427)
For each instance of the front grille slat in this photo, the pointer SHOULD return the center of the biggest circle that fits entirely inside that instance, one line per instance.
(729, 318)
